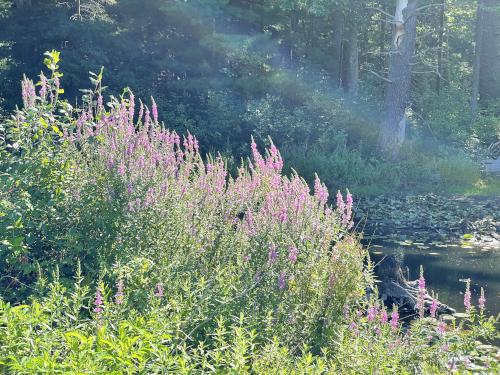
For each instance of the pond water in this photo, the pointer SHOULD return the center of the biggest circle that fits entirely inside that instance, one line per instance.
(444, 267)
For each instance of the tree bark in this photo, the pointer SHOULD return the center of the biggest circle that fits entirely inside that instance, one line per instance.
(393, 129)
(338, 20)
(440, 45)
(352, 61)
(79, 10)
(395, 289)
(477, 58)
(489, 78)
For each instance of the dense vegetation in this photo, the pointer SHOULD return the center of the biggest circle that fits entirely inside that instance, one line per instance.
(162, 262)
(128, 247)
(310, 74)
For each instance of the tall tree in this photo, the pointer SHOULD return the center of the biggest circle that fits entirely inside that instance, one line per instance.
(442, 15)
(338, 20)
(489, 78)
(477, 57)
(393, 130)
(351, 58)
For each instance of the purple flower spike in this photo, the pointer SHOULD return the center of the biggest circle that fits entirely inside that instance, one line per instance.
(433, 308)
(383, 317)
(394, 319)
(98, 301)
(441, 329)
(482, 300)
(293, 253)
(273, 255)
(467, 297)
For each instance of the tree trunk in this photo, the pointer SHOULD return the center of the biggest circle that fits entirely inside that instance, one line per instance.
(338, 20)
(78, 10)
(477, 58)
(489, 78)
(294, 24)
(352, 81)
(395, 289)
(350, 70)
(392, 132)
(440, 46)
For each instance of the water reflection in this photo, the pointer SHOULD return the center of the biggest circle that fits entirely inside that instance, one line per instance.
(444, 267)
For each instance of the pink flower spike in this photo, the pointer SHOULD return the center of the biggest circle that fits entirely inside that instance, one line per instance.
(293, 253)
(433, 308)
(340, 202)
(273, 255)
(467, 297)
(482, 300)
(154, 109)
(98, 302)
(383, 317)
(441, 329)
(394, 319)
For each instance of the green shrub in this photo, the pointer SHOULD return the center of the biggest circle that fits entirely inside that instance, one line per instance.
(133, 201)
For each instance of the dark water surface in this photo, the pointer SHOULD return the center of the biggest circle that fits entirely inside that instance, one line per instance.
(444, 267)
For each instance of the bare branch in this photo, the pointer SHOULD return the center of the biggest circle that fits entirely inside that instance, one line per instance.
(379, 76)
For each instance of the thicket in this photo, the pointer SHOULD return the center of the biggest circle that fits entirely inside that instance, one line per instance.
(162, 261)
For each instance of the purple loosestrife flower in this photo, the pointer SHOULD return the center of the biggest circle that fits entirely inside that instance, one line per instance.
(121, 169)
(467, 297)
(383, 316)
(371, 313)
(98, 301)
(421, 281)
(273, 255)
(119, 296)
(282, 216)
(433, 308)
(441, 328)
(141, 111)
(482, 300)
(340, 202)
(320, 191)
(159, 290)
(247, 258)
(28, 92)
(421, 294)
(110, 162)
(275, 160)
(353, 327)
(293, 253)
(131, 108)
(257, 156)
(347, 218)
(282, 281)
(43, 87)
(394, 319)
(154, 109)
